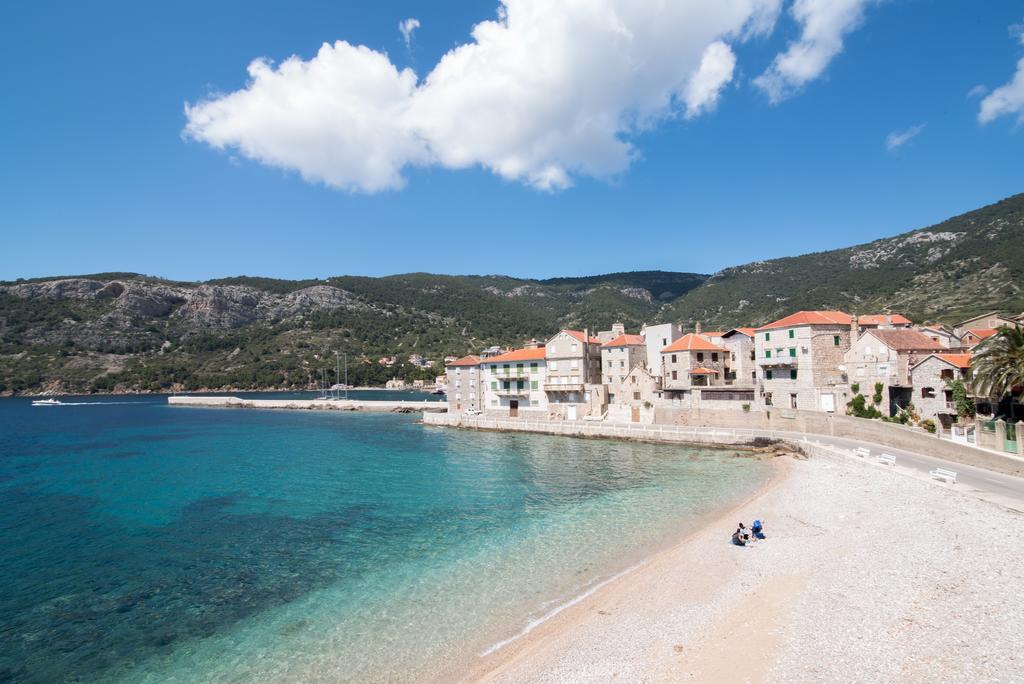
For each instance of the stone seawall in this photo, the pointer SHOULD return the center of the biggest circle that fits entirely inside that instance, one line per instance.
(312, 404)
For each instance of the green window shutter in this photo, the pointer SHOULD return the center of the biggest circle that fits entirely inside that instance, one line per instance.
(519, 385)
(792, 351)
(792, 374)
(767, 353)
(767, 336)
(767, 375)
(835, 340)
(533, 384)
(494, 385)
(533, 367)
(792, 334)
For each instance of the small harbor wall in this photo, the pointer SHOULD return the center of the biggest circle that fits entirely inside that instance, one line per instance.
(312, 404)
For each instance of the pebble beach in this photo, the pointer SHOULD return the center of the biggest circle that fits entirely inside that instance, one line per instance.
(868, 574)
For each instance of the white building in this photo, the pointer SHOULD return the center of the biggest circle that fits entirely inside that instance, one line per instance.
(657, 337)
(513, 383)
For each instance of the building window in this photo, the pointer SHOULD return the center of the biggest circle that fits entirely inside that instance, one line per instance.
(674, 375)
(767, 336)
(927, 393)
(792, 352)
(673, 358)
(835, 340)
(622, 364)
(792, 374)
(792, 334)
(767, 353)
(714, 356)
(700, 356)
(636, 396)
(767, 398)
(792, 401)
(494, 385)
(533, 384)
(768, 375)
(946, 374)
(553, 365)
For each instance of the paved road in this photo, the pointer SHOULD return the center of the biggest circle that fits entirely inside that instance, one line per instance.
(979, 479)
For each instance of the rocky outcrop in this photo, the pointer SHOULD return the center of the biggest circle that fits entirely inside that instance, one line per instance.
(68, 288)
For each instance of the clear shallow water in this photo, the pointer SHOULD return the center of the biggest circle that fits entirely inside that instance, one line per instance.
(141, 542)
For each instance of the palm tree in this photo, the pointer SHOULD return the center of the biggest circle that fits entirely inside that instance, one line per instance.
(997, 365)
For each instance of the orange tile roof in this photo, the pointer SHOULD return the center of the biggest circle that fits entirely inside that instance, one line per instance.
(810, 318)
(518, 355)
(625, 341)
(982, 333)
(692, 342)
(882, 319)
(958, 360)
(578, 334)
(703, 371)
(466, 361)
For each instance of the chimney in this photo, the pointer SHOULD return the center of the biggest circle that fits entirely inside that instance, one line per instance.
(888, 320)
(854, 330)
(697, 328)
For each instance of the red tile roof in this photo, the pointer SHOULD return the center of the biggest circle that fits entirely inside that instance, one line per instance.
(625, 341)
(982, 333)
(466, 361)
(809, 318)
(902, 339)
(578, 334)
(958, 360)
(691, 342)
(703, 371)
(518, 355)
(882, 319)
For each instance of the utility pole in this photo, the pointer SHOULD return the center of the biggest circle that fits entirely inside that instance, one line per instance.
(346, 375)
(337, 371)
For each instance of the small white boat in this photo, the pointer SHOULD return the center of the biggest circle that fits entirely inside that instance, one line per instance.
(46, 402)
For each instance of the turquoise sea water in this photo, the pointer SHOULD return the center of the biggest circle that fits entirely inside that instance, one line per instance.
(142, 542)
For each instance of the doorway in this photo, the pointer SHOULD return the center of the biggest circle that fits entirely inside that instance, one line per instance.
(513, 408)
(636, 414)
(571, 412)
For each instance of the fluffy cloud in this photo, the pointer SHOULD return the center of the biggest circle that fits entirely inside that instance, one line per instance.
(545, 92)
(824, 24)
(406, 28)
(1006, 100)
(901, 138)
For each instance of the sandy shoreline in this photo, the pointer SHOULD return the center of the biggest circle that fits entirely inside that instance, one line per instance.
(867, 575)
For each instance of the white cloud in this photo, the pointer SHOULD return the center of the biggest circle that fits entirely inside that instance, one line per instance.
(824, 24)
(901, 138)
(406, 28)
(1006, 100)
(977, 91)
(546, 92)
(714, 72)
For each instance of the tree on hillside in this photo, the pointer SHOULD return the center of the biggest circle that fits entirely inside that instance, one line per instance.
(998, 363)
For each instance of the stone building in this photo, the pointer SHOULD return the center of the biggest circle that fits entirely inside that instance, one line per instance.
(941, 335)
(513, 382)
(691, 362)
(989, 321)
(464, 384)
(975, 336)
(885, 356)
(636, 396)
(618, 357)
(573, 361)
(740, 369)
(930, 378)
(799, 360)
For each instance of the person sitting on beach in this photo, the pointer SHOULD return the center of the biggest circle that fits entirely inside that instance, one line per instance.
(740, 537)
(757, 529)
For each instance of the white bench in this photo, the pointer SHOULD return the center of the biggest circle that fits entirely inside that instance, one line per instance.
(862, 452)
(943, 474)
(887, 459)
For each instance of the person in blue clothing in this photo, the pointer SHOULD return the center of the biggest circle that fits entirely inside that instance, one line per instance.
(757, 529)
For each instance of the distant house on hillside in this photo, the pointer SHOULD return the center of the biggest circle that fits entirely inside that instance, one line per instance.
(975, 336)
(882, 321)
(989, 321)
(941, 335)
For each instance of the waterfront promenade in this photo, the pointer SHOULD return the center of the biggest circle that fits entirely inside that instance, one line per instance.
(311, 404)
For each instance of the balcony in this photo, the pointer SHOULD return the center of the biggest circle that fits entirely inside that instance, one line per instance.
(512, 374)
(569, 387)
(778, 361)
(512, 391)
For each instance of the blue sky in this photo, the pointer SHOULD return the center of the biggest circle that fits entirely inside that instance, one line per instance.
(97, 172)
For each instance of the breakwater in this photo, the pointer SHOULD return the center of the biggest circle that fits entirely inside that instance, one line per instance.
(312, 404)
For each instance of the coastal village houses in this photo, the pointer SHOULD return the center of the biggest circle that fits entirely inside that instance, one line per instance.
(618, 358)
(689, 363)
(932, 395)
(657, 337)
(513, 382)
(885, 356)
(989, 321)
(799, 358)
(573, 362)
(740, 368)
(464, 384)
